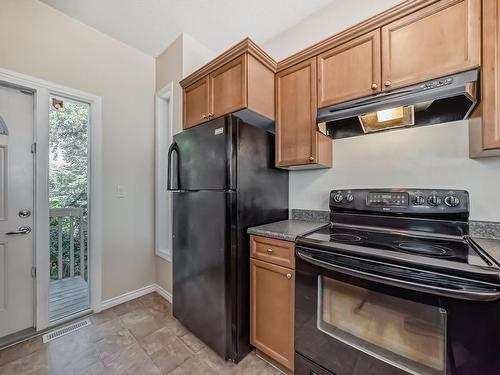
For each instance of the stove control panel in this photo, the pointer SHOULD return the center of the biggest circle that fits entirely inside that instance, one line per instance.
(430, 202)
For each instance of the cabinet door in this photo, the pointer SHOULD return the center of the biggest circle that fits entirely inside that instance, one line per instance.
(438, 40)
(296, 114)
(350, 71)
(491, 75)
(196, 104)
(228, 87)
(272, 290)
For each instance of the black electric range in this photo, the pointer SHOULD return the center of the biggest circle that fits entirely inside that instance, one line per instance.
(396, 264)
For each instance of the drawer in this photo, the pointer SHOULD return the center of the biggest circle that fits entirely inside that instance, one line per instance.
(279, 252)
(304, 366)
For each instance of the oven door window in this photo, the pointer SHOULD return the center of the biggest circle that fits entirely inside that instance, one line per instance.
(404, 333)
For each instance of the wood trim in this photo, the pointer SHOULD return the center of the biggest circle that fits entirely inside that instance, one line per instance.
(324, 150)
(245, 46)
(273, 362)
(490, 83)
(357, 30)
(313, 104)
(373, 38)
(282, 252)
(472, 48)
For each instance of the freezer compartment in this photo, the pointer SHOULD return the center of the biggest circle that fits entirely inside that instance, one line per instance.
(204, 157)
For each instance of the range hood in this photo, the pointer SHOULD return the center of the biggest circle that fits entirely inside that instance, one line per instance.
(448, 98)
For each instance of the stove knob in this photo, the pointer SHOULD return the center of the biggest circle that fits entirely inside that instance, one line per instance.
(434, 200)
(451, 201)
(337, 198)
(419, 200)
(350, 197)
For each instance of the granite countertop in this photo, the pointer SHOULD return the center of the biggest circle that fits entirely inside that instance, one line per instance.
(287, 230)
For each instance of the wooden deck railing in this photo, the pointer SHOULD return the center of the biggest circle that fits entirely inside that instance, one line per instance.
(58, 227)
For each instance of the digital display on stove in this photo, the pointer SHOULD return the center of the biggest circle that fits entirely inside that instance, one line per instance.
(387, 199)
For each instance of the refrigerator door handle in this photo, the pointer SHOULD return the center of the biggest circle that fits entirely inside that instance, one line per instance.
(173, 147)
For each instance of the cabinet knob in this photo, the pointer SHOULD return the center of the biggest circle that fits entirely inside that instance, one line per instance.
(204, 117)
(387, 83)
(311, 158)
(210, 115)
(269, 251)
(374, 86)
(288, 276)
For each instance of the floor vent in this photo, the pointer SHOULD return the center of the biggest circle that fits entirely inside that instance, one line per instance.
(65, 330)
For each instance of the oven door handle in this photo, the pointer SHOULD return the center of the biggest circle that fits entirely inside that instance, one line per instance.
(479, 293)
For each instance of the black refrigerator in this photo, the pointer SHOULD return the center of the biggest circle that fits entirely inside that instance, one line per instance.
(224, 181)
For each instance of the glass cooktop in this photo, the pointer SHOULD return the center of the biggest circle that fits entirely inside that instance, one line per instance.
(399, 245)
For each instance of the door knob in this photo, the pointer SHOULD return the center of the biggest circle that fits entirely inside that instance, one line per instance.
(21, 230)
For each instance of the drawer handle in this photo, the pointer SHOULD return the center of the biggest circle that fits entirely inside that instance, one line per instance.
(269, 251)
(288, 276)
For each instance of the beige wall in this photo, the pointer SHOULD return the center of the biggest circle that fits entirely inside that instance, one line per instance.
(321, 25)
(181, 58)
(427, 157)
(39, 41)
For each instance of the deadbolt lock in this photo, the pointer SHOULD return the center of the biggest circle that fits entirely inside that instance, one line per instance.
(24, 213)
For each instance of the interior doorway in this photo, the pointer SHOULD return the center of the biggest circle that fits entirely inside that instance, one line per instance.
(69, 124)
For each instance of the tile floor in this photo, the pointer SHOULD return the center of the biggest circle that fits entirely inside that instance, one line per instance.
(137, 337)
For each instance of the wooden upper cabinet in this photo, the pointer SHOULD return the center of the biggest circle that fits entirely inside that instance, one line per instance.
(440, 39)
(228, 87)
(240, 80)
(350, 71)
(297, 141)
(196, 103)
(484, 132)
(272, 300)
(491, 74)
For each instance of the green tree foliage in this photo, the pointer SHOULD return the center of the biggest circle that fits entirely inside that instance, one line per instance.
(68, 179)
(69, 155)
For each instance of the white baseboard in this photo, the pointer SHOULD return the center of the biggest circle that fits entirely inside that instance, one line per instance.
(164, 293)
(136, 294)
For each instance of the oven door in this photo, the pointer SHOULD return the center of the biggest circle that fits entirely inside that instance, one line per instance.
(349, 325)
(363, 323)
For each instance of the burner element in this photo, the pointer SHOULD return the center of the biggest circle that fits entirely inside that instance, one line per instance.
(345, 237)
(424, 249)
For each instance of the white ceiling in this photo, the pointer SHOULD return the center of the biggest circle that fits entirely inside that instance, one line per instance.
(151, 25)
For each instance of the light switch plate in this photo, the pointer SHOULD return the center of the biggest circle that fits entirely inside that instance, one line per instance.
(121, 191)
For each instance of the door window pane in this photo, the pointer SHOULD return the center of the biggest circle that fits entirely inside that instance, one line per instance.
(68, 207)
(404, 333)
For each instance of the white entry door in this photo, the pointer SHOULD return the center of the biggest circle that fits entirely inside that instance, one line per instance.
(16, 211)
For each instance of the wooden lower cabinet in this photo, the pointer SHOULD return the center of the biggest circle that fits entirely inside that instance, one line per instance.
(272, 301)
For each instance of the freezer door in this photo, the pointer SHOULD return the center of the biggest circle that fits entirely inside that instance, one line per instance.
(205, 159)
(201, 263)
